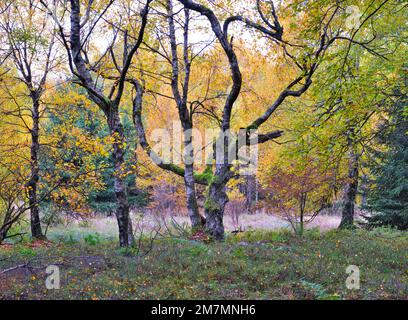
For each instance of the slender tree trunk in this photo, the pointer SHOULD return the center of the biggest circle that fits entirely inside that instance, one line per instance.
(36, 231)
(347, 215)
(2, 236)
(192, 206)
(189, 182)
(303, 199)
(126, 237)
(4, 228)
(363, 188)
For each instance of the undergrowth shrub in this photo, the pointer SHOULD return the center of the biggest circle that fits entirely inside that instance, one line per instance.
(92, 239)
(281, 235)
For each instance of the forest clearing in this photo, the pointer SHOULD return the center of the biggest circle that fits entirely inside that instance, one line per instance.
(203, 150)
(268, 262)
(252, 265)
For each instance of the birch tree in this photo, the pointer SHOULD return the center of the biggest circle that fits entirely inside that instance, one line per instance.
(84, 19)
(29, 41)
(306, 53)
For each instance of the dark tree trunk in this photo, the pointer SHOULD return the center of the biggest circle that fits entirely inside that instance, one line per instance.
(126, 237)
(214, 210)
(347, 215)
(2, 235)
(5, 226)
(36, 231)
(217, 198)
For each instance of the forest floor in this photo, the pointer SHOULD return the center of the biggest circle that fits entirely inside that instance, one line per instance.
(250, 265)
